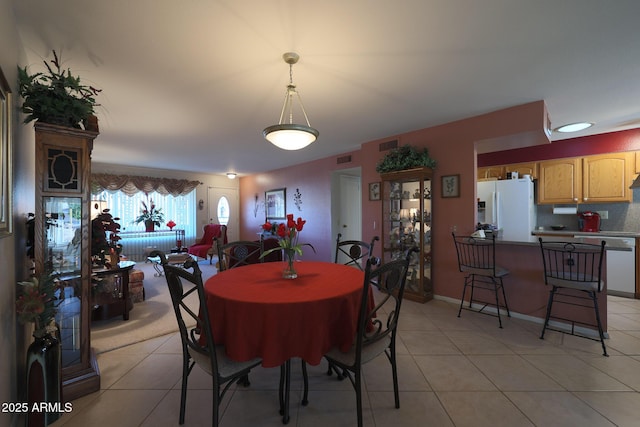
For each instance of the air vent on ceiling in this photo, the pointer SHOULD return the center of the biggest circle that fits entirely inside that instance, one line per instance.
(344, 159)
(389, 145)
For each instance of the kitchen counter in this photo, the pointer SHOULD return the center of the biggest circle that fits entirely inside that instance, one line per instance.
(548, 232)
(524, 286)
(613, 245)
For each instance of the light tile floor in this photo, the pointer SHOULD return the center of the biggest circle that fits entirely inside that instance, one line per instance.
(453, 372)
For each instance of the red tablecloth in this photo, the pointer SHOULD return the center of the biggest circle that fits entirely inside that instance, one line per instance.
(256, 313)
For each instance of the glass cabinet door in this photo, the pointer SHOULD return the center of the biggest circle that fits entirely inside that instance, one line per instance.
(63, 250)
(406, 219)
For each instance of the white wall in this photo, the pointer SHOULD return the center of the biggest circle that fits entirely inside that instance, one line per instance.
(13, 337)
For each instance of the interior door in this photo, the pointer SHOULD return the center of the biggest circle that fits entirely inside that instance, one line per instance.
(349, 221)
(224, 208)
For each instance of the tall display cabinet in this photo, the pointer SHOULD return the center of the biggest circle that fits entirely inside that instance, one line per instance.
(406, 222)
(62, 244)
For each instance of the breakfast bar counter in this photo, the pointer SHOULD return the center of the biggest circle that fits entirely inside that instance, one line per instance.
(526, 291)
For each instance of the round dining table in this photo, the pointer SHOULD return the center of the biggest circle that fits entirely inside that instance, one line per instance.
(254, 312)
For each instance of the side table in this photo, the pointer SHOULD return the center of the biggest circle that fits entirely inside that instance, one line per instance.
(172, 259)
(115, 300)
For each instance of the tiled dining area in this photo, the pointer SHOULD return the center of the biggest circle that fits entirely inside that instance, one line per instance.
(452, 372)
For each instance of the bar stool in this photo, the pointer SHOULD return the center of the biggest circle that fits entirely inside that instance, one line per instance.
(477, 258)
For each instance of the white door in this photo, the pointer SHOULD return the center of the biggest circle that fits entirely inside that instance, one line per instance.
(224, 208)
(348, 218)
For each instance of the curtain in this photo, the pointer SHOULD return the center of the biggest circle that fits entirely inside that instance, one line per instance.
(131, 184)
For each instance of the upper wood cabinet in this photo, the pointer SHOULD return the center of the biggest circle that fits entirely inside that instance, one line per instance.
(560, 181)
(491, 172)
(528, 168)
(591, 179)
(607, 177)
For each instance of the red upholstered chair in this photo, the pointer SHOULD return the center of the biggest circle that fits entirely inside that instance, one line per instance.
(203, 248)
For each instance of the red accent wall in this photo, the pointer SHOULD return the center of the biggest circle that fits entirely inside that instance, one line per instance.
(627, 140)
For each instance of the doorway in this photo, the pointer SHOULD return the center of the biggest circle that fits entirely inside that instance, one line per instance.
(346, 205)
(224, 209)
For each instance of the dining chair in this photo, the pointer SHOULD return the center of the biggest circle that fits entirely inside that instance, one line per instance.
(198, 345)
(377, 325)
(477, 258)
(354, 252)
(239, 253)
(574, 272)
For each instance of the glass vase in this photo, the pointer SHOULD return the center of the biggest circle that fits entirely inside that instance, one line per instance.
(289, 265)
(44, 379)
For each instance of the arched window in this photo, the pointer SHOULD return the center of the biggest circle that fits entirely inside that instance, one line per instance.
(223, 210)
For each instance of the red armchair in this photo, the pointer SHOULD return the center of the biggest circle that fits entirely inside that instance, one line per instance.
(204, 247)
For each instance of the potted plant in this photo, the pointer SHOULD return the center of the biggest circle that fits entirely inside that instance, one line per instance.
(150, 215)
(403, 158)
(37, 303)
(104, 251)
(57, 97)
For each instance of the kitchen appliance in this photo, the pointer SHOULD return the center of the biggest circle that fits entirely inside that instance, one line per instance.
(589, 221)
(508, 205)
(621, 265)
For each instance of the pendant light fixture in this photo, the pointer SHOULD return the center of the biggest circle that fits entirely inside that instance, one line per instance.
(287, 134)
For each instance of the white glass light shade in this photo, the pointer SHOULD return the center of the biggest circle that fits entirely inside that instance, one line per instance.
(290, 136)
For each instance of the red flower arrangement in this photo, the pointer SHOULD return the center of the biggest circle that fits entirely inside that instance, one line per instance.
(289, 234)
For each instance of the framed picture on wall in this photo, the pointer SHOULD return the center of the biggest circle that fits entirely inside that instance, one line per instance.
(374, 191)
(451, 186)
(275, 204)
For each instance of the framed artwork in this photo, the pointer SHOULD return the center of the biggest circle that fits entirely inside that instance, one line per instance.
(275, 204)
(374, 191)
(451, 186)
(5, 157)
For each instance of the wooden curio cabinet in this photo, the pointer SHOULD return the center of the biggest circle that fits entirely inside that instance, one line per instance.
(62, 245)
(406, 222)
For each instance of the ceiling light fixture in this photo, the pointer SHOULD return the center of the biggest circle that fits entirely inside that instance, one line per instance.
(573, 127)
(291, 136)
(231, 175)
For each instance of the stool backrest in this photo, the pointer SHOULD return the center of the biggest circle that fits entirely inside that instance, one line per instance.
(476, 254)
(573, 264)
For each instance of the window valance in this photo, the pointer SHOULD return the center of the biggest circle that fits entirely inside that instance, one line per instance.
(130, 184)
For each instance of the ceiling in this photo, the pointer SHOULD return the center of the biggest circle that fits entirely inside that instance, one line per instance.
(190, 85)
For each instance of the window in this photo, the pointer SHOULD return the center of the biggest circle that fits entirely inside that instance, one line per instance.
(180, 209)
(223, 210)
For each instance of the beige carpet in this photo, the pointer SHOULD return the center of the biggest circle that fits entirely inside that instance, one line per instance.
(148, 319)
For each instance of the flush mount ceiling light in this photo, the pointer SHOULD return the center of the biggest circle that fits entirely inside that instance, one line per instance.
(573, 127)
(231, 175)
(290, 136)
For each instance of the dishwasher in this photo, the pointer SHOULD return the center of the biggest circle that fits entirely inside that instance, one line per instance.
(621, 267)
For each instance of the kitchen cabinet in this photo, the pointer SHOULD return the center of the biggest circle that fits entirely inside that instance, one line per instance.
(607, 177)
(637, 162)
(560, 181)
(528, 168)
(591, 179)
(406, 222)
(62, 245)
(491, 172)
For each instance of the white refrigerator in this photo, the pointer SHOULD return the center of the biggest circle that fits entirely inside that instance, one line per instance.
(509, 205)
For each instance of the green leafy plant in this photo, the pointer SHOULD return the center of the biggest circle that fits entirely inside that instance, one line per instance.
(149, 212)
(405, 157)
(57, 97)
